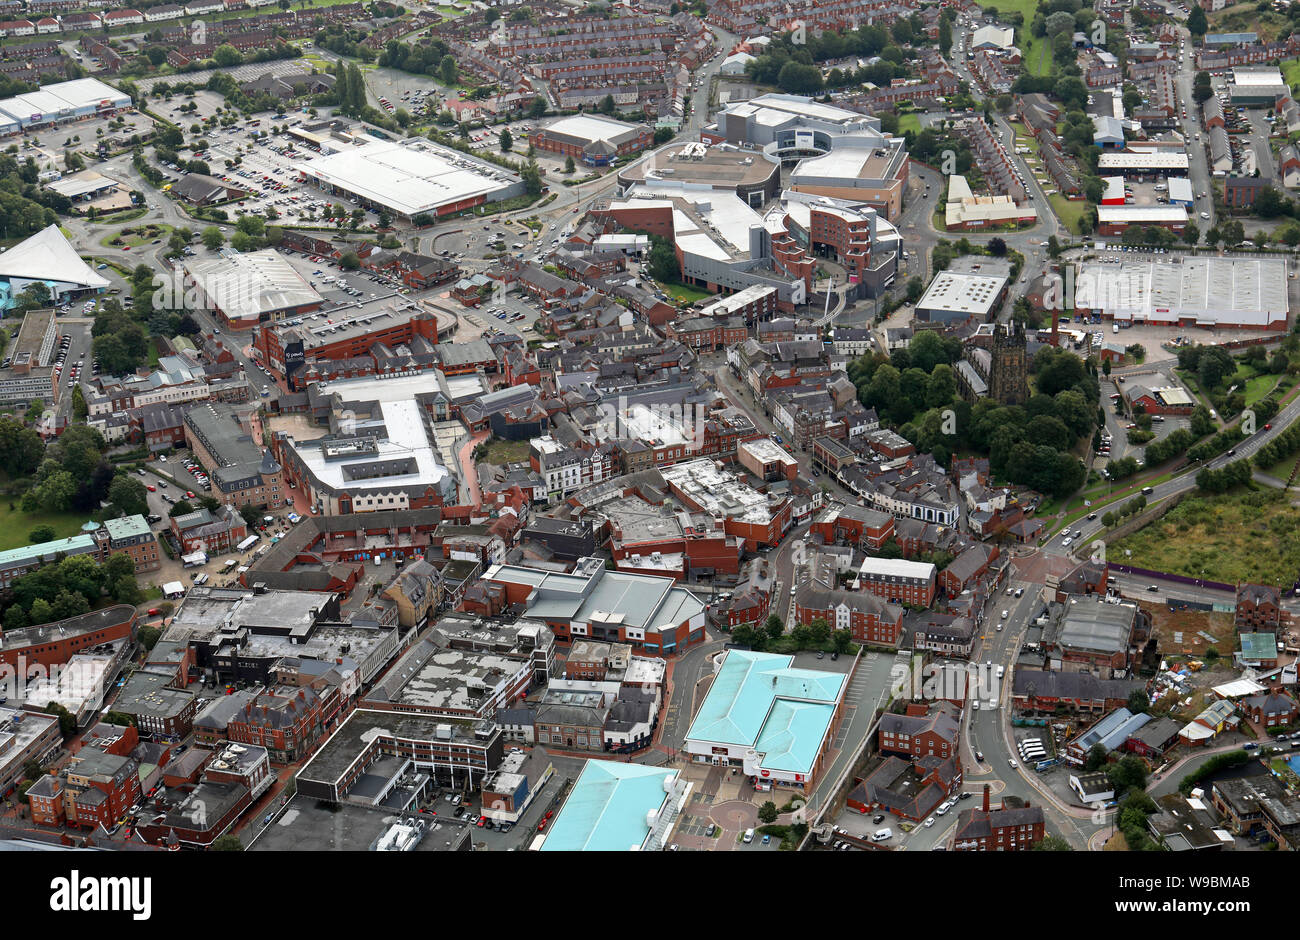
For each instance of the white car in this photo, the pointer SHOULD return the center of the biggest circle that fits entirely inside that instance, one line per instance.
(929, 822)
(1011, 761)
(1205, 215)
(1066, 542)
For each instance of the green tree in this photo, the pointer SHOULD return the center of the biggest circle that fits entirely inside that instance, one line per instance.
(1052, 844)
(213, 238)
(1096, 758)
(79, 408)
(42, 533)
(128, 495)
(774, 627)
(227, 56)
(507, 141)
(767, 813)
(1196, 22)
(447, 70)
(227, 843)
(181, 508)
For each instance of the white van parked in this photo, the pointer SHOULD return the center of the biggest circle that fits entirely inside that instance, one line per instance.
(882, 835)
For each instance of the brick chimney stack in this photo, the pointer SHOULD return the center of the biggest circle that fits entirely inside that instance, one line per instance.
(986, 797)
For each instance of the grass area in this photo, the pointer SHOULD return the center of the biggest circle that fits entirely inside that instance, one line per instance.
(682, 293)
(1037, 52)
(1258, 384)
(1245, 535)
(1070, 212)
(500, 452)
(1291, 71)
(1281, 469)
(909, 122)
(143, 235)
(16, 524)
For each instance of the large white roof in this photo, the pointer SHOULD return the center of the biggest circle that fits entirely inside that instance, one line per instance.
(407, 180)
(247, 285)
(1232, 291)
(47, 256)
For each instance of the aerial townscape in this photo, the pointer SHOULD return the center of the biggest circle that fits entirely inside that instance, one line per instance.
(684, 426)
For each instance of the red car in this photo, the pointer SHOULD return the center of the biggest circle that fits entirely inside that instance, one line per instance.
(151, 488)
(541, 826)
(1268, 427)
(154, 611)
(189, 495)
(482, 821)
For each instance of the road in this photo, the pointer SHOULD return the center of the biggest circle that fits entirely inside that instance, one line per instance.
(1088, 530)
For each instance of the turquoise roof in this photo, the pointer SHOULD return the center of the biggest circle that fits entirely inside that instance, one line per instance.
(1258, 646)
(77, 544)
(607, 809)
(759, 700)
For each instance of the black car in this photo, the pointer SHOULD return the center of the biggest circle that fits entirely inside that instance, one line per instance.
(878, 818)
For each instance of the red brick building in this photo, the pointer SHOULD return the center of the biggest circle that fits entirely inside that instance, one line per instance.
(96, 788)
(868, 618)
(926, 730)
(1008, 829)
(55, 643)
(287, 722)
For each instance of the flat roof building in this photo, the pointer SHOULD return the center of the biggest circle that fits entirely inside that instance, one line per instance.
(1239, 293)
(251, 288)
(593, 139)
(752, 175)
(768, 716)
(955, 297)
(411, 180)
(616, 807)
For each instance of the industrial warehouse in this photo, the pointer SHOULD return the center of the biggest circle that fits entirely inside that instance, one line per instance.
(1238, 293)
(251, 288)
(409, 182)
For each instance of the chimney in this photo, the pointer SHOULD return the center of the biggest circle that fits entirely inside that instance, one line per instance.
(986, 797)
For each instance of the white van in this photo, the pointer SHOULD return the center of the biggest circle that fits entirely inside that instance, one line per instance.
(749, 836)
(882, 835)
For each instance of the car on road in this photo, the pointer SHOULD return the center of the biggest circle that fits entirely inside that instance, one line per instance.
(929, 822)
(979, 757)
(1006, 614)
(1012, 762)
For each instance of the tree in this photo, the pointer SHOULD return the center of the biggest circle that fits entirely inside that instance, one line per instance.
(1191, 233)
(1137, 701)
(506, 140)
(67, 721)
(349, 261)
(569, 166)
(128, 495)
(1052, 844)
(181, 508)
(1128, 773)
(227, 843)
(21, 448)
(662, 262)
(774, 626)
(42, 533)
(213, 238)
(997, 247)
(79, 408)
(447, 70)
(767, 813)
(537, 107)
(842, 639)
(1096, 758)
(226, 56)
(1196, 22)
